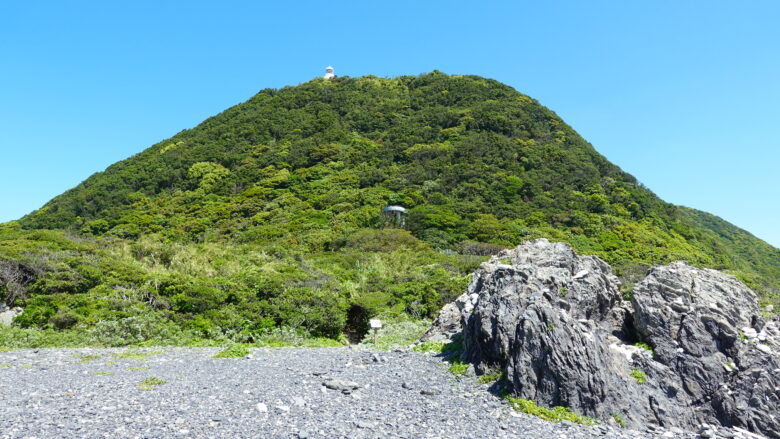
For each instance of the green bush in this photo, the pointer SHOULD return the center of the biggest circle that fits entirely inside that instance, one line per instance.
(384, 240)
(320, 312)
(133, 330)
(285, 336)
(280, 337)
(31, 338)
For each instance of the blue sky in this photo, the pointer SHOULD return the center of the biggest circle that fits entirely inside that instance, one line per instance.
(683, 95)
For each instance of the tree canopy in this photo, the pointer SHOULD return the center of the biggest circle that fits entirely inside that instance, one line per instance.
(292, 183)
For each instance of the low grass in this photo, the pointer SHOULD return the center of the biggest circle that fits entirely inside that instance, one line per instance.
(436, 347)
(619, 420)
(289, 337)
(554, 414)
(397, 332)
(627, 290)
(150, 383)
(322, 342)
(236, 350)
(639, 376)
(454, 349)
(102, 373)
(135, 355)
(312, 342)
(490, 377)
(13, 338)
(3, 366)
(459, 368)
(88, 358)
(643, 345)
(451, 352)
(138, 368)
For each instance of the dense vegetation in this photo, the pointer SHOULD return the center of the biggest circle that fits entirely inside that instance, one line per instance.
(268, 215)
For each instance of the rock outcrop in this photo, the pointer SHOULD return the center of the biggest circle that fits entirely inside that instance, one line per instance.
(7, 315)
(557, 326)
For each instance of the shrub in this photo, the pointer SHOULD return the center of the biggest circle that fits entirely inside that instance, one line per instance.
(88, 358)
(384, 240)
(478, 248)
(133, 330)
(280, 337)
(135, 355)
(64, 320)
(320, 312)
(30, 338)
(627, 290)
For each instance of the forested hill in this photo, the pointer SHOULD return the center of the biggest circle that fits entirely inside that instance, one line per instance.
(307, 169)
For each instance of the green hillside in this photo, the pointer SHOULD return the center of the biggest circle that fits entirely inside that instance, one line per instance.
(268, 215)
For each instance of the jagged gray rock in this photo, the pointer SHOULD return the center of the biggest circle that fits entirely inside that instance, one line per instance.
(707, 328)
(7, 315)
(556, 324)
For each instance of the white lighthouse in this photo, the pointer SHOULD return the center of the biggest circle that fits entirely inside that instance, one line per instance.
(329, 73)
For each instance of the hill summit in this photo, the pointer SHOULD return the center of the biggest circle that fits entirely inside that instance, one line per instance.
(272, 210)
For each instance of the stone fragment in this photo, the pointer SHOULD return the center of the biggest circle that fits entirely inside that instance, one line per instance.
(341, 385)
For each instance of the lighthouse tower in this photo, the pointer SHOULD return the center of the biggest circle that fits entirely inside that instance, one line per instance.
(329, 73)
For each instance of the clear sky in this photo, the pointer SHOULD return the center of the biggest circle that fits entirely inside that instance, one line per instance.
(685, 95)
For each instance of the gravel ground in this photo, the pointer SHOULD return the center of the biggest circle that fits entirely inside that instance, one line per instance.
(273, 393)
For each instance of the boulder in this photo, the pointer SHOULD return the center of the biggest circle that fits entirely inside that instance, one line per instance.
(707, 327)
(7, 315)
(557, 326)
